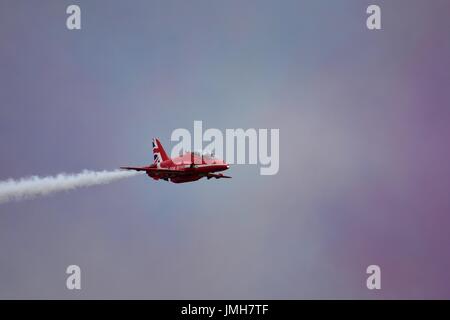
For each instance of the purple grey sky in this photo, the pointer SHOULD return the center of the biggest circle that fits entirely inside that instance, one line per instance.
(364, 156)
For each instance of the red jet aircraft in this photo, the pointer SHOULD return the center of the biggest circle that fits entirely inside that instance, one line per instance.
(186, 168)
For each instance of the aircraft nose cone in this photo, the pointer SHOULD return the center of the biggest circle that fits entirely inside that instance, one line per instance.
(227, 166)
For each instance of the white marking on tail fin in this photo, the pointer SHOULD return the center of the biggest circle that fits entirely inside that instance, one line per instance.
(159, 154)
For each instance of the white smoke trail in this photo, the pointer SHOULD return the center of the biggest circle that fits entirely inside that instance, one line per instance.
(27, 188)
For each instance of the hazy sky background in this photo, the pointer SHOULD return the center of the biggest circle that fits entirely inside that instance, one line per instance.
(364, 157)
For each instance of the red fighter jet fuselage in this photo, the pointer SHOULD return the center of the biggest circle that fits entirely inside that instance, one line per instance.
(186, 168)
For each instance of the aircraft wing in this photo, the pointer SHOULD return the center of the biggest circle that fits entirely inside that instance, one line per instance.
(217, 176)
(159, 172)
(169, 173)
(162, 172)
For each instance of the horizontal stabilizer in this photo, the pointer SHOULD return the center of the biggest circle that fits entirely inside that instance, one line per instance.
(135, 168)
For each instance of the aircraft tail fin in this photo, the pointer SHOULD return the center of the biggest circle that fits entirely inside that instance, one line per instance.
(159, 154)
